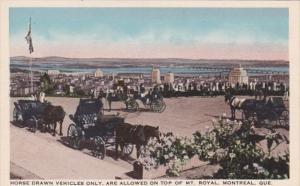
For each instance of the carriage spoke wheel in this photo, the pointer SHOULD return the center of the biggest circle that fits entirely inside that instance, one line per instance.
(127, 150)
(284, 118)
(73, 136)
(156, 106)
(17, 117)
(163, 106)
(99, 149)
(143, 151)
(32, 123)
(132, 106)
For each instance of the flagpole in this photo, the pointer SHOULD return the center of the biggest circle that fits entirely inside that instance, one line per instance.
(31, 77)
(29, 41)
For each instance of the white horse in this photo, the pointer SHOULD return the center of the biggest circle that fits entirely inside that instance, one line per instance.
(234, 103)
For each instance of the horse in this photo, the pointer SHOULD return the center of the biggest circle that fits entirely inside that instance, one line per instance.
(246, 105)
(234, 103)
(52, 115)
(117, 96)
(134, 134)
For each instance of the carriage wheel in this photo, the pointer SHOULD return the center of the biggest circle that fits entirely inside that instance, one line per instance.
(127, 150)
(99, 149)
(132, 106)
(32, 123)
(164, 106)
(17, 117)
(156, 106)
(73, 136)
(284, 118)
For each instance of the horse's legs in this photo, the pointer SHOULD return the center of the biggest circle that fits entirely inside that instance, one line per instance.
(54, 128)
(60, 128)
(117, 146)
(109, 105)
(43, 129)
(122, 149)
(138, 149)
(232, 113)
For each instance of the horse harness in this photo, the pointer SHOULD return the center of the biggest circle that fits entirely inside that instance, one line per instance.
(231, 100)
(134, 130)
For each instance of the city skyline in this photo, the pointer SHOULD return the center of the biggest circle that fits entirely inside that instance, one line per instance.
(192, 33)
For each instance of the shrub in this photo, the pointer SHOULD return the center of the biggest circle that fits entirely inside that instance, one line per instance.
(231, 144)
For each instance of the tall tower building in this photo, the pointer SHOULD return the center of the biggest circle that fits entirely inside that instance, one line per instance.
(155, 76)
(169, 78)
(238, 75)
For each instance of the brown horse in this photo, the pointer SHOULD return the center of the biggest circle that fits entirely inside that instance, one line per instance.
(52, 115)
(134, 134)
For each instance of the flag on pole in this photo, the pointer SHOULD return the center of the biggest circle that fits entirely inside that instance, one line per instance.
(28, 38)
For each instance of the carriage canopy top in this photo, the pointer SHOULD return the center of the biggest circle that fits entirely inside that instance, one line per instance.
(89, 106)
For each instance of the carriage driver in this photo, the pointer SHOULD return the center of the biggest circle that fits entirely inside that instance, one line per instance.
(42, 97)
(144, 94)
(156, 93)
(109, 95)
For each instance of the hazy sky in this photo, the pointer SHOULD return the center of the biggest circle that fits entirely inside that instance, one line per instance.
(213, 33)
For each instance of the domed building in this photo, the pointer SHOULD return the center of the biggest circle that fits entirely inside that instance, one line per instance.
(238, 75)
(98, 73)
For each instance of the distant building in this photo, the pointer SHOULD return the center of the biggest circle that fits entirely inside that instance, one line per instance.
(169, 77)
(238, 75)
(155, 76)
(53, 72)
(98, 73)
(131, 75)
(71, 89)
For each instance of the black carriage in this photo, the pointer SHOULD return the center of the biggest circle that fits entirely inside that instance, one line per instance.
(28, 113)
(91, 125)
(266, 112)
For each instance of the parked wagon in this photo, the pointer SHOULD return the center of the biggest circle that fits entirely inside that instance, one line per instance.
(92, 126)
(28, 113)
(273, 111)
(153, 102)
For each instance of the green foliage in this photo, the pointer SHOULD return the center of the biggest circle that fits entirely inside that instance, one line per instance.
(232, 145)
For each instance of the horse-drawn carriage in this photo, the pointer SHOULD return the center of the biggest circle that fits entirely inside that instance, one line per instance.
(274, 111)
(91, 125)
(153, 101)
(267, 111)
(29, 113)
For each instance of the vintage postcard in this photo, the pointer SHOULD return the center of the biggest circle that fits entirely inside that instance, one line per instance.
(153, 93)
